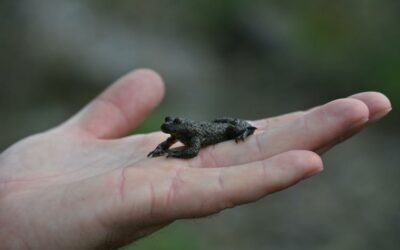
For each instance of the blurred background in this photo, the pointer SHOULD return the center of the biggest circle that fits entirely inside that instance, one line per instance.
(239, 58)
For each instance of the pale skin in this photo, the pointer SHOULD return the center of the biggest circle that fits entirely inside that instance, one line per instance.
(84, 185)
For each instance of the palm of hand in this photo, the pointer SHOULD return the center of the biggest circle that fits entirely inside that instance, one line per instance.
(74, 178)
(80, 186)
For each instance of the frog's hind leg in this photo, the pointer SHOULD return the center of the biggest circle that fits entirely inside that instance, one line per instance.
(185, 152)
(245, 133)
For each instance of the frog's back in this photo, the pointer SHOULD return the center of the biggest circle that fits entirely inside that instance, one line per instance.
(213, 132)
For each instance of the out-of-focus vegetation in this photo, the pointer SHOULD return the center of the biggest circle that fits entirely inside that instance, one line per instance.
(176, 238)
(243, 58)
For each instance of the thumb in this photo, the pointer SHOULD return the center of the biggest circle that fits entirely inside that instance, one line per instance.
(121, 107)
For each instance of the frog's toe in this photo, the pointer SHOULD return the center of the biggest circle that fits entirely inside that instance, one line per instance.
(241, 137)
(156, 153)
(151, 155)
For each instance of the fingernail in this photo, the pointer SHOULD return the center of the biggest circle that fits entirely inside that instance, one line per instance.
(350, 132)
(379, 115)
(314, 172)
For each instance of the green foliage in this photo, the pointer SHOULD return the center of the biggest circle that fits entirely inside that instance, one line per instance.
(151, 123)
(170, 238)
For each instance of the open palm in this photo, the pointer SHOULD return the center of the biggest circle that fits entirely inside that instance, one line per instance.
(82, 185)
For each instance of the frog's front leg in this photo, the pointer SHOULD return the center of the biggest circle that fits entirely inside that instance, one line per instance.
(162, 148)
(189, 151)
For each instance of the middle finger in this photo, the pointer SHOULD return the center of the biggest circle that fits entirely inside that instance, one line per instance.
(311, 131)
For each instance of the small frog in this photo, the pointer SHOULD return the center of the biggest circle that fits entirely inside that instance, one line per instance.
(194, 135)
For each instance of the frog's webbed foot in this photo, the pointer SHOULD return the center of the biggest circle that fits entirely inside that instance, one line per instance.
(245, 133)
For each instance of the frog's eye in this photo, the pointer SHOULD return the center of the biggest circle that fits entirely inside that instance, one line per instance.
(177, 121)
(168, 119)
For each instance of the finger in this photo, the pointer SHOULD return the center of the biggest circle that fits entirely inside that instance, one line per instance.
(121, 107)
(132, 200)
(194, 192)
(277, 121)
(378, 104)
(315, 129)
(324, 148)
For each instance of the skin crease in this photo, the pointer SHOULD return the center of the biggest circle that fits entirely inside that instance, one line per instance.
(82, 185)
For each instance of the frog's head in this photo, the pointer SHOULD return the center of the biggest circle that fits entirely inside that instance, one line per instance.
(172, 126)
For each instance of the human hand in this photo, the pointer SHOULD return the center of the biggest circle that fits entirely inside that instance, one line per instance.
(82, 185)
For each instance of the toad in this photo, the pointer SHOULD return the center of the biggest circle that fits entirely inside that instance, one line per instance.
(196, 134)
